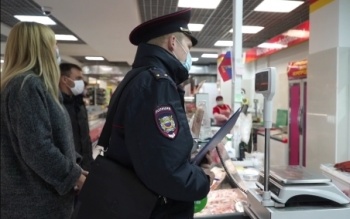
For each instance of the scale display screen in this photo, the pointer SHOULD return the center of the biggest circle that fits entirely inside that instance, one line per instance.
(265, 82)
(262, 81)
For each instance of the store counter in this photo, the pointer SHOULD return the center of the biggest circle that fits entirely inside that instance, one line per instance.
(225, 216)
(224, 200)
(341, 179)
(227, 194)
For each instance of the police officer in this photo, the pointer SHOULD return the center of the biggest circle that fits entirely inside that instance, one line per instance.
(150, 131)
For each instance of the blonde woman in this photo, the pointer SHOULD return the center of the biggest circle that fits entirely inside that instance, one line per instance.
(39, 174)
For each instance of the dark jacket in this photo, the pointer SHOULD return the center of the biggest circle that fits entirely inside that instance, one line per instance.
(80, 126)
(38, 167)
(142, 139)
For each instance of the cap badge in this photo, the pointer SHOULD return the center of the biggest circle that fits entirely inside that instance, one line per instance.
(166, 121)
(186, 30)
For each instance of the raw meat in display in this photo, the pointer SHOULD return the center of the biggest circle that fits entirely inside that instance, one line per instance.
(222, 201)
(344, 166)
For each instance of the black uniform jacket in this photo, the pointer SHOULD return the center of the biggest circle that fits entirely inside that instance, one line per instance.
(80, 126)
(151, 133)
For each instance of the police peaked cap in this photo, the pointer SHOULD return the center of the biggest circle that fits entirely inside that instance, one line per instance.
(170, 23)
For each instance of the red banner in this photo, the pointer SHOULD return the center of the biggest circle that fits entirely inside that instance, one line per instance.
(287, 39)
(297, 70)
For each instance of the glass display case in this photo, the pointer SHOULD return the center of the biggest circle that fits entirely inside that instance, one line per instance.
(227, 194)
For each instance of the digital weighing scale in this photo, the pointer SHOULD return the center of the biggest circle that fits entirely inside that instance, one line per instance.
(287, 183)
(297, 193)
(290, 192)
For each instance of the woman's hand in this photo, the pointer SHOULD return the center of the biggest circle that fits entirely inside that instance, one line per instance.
(80, 182)
(84, 172)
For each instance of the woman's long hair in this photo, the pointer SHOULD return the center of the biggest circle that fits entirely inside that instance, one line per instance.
(31, 46)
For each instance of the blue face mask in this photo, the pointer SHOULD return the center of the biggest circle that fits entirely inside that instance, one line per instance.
(188, 62)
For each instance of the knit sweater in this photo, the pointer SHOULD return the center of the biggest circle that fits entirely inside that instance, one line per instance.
(38, 166)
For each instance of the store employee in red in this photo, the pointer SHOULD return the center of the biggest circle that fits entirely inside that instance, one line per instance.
(221, 111)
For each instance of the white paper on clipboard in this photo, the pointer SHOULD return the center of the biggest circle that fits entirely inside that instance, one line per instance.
(217, 138)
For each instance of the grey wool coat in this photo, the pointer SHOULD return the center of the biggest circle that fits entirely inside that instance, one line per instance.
(38, 162)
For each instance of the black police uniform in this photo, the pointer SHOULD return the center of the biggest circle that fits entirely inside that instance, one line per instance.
(151, 133)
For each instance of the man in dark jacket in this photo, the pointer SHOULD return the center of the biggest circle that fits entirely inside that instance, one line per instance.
(150, 131)
(72, 87)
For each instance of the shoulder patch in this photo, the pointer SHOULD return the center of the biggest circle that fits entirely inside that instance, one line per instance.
(166, 121)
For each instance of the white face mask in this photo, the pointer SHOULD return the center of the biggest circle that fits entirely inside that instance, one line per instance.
(220, 102)
(78, 87)
(58, 57)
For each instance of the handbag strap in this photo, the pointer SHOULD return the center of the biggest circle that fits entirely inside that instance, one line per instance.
(113, 105)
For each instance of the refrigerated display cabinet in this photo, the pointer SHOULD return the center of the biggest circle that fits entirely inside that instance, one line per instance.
(227, 194)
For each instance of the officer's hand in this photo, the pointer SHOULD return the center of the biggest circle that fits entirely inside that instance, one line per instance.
(207, 159)
(206, 169)
(206, 166)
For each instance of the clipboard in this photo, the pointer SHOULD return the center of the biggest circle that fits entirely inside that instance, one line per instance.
(217, 138)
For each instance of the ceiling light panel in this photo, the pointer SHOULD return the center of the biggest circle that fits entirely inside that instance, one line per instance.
(209, 55)
(205, 4)
(94, 58)
(65, 37)
(195, 27)
(224, 43)
(194, 59)
(250, 29)
(281, 6)
(39, 19)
